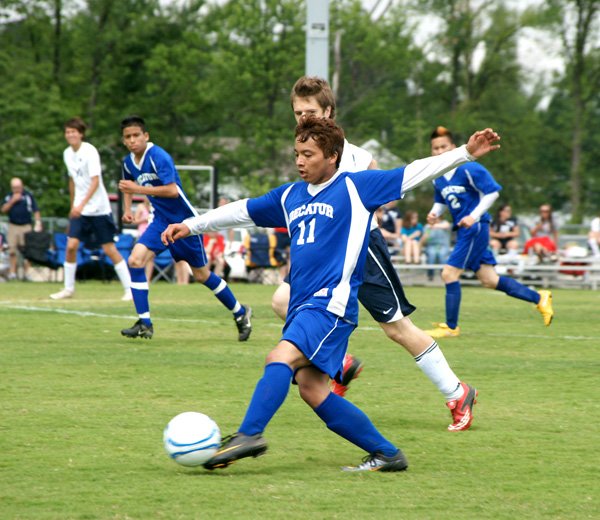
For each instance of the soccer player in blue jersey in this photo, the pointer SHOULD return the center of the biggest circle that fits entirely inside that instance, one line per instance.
(468, 192)
(150, 170)
(328, 215)
(381, 291)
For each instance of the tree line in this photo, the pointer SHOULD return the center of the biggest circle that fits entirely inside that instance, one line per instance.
(212, 80)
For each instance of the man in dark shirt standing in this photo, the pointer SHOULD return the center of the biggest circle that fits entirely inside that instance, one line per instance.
(22, 209)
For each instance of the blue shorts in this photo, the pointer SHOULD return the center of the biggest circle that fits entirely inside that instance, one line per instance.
(190, 249)
(472, 248)
(321, 336)
(381, 292)
(93, 231)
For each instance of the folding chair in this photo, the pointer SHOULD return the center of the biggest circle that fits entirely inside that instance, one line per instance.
(164, 267)
(260, 257)
(38, 250)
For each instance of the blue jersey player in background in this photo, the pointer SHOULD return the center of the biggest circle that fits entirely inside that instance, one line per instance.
(468, 192)
(328, 215)
(149, 170)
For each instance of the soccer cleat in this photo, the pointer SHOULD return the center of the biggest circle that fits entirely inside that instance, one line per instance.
(127, 297)
(545, 307)
(243, 324)
(139, 330)
(61, 295)
(379, 462)
(352, 367)
(443, 331)
(235, 447)
(462, 409)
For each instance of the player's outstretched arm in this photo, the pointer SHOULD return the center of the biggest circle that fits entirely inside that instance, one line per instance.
(483, 142)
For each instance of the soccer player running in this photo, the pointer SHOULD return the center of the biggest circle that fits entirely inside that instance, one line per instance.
(328, 215)
(90, 215)
(469, 191)
(381, 292)
(150, 170)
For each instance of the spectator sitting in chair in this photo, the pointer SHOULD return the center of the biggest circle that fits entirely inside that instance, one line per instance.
(594, 237)
(504, 232)
(544, 235)
(22, 209)
(436, 240)
(412, 233)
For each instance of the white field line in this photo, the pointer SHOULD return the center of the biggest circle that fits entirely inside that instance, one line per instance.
(57, 310)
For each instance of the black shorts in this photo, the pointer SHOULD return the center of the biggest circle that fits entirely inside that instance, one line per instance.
(93, 231)
(381, 292)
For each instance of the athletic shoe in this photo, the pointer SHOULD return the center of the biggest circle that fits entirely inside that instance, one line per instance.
(127, 297)
(61, 295)
(139, 330)
(443, 331)
(379, 462)
(462, 409)
(235, 447)
(545, 307)
(243, 324)
(352, 367)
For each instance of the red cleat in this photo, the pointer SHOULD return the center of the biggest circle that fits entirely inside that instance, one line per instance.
(462, 409)
(352, 368)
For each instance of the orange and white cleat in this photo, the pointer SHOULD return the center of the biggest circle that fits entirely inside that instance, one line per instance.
(462, 409)
(352, 368)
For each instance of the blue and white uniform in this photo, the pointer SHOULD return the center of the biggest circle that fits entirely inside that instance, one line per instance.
(462, 192)
(329, 226)
(156, 168)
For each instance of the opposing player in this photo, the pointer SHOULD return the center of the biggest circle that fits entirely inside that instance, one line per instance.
(468, 192)
(90, 217)
(150, 170)
(328, 215)
(381, 292)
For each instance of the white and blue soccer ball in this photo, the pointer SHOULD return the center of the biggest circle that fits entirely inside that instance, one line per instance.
(191, 438)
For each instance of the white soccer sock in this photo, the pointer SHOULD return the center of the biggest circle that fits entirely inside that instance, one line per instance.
(123, 273)
(70, 270)
(594, 245)
(433, 363)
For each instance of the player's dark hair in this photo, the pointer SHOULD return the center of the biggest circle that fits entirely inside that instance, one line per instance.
(328, 136)
(77, 123)
(133, 121)
(313, 86)
(442, 131)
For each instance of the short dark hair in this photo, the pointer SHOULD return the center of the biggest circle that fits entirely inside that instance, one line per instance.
(313, 86)
(77, 123)
(328, 136)
(133, 121)
(442, 131)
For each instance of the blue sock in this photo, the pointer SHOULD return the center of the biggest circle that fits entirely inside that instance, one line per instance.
(351, 423)
(517, 290)
(139, 291)
(453, 296)
(269, 394)
(222, 291)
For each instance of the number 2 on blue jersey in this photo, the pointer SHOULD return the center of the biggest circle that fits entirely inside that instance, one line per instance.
(311, 232)
(454, 202)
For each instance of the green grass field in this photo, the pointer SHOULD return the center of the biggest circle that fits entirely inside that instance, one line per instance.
(83, 409)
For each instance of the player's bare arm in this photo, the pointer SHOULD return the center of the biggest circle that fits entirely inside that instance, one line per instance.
(174, 232)
(168, 191)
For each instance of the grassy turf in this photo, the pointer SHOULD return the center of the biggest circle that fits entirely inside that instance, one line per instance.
(83, 409)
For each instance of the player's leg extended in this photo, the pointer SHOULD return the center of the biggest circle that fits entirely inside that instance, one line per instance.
(70, 264)
(138, 258)
(542, 299)
(449, 329)
(281, 300)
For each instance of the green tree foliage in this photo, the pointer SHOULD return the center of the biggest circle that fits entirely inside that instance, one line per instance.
(213, 80)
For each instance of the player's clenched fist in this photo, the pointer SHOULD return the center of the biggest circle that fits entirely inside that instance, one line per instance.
(174, 232)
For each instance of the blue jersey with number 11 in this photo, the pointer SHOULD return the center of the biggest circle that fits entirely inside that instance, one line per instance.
(462, 189)
(329, 230)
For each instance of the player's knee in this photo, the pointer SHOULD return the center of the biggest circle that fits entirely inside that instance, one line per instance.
(135, 262)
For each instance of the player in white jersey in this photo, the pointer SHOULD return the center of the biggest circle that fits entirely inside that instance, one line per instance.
(381, 292)
(90, 218)
(328, 215)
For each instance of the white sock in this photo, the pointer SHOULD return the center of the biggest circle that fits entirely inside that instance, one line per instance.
(70, 270)
(594, 245)
(433, 363)
(123, 273)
